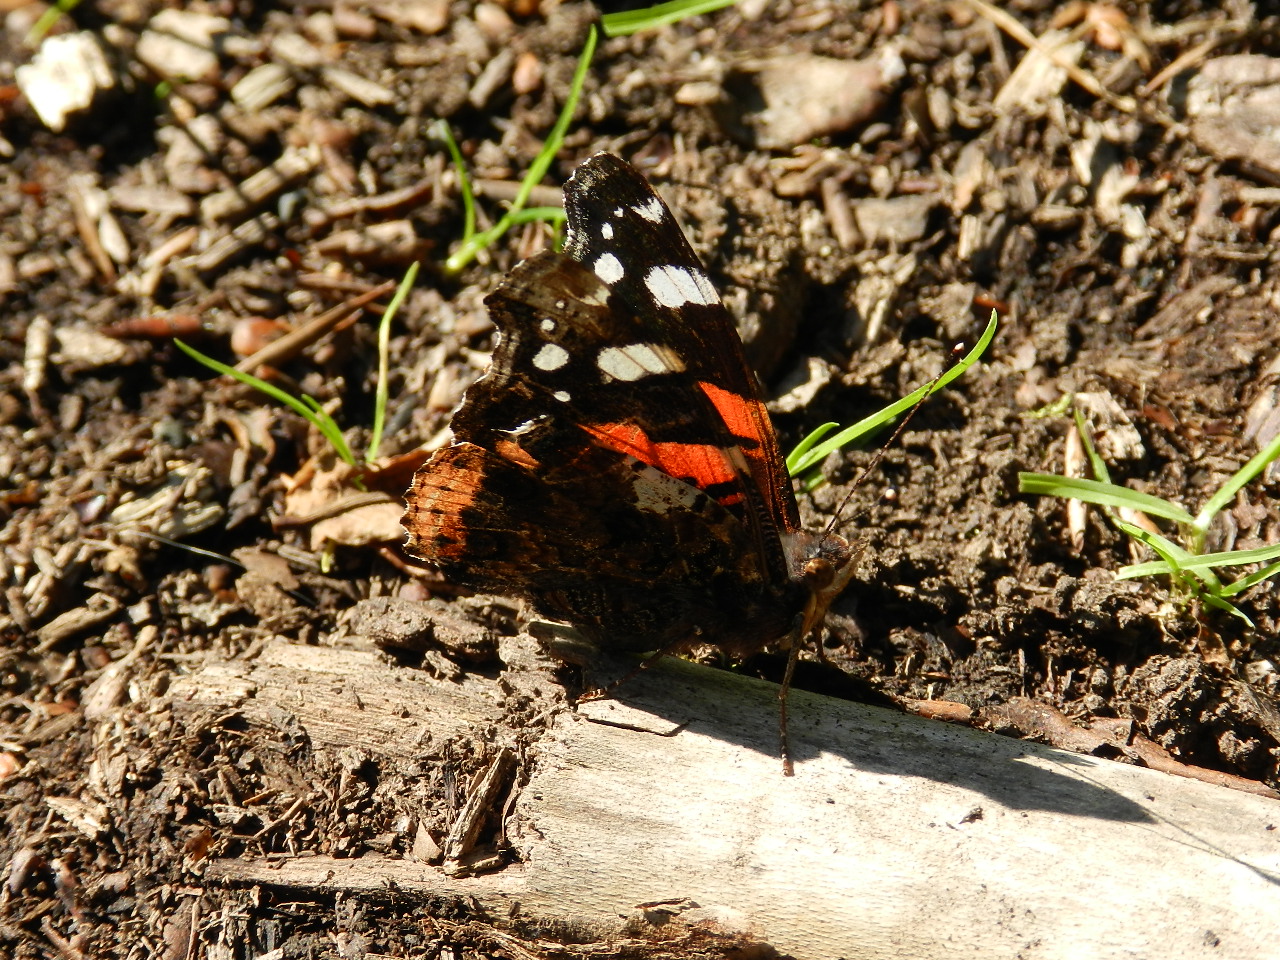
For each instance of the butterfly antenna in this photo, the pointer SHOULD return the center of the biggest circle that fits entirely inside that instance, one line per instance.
(956, 352)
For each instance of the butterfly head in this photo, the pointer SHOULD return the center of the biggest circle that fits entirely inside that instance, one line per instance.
(823, 564)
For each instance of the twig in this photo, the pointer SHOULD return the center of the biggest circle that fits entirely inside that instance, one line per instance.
(288, 345)
(1013, 28)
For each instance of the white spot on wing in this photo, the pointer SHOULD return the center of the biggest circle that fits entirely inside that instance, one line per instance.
(562, 395)
(608, 268)
(606, 231)
(547, 325)
(552, 356)
(651, 210)
(659, 493)
(675, 286)
(617, 211)
(637, 361)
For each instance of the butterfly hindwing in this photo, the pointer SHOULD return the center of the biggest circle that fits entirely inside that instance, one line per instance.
(592, 537)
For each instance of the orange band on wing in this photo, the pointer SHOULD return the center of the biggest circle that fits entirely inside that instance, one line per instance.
(743, 416)
(748, 423)
(706, 465)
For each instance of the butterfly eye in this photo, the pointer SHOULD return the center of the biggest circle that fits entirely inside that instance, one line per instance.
(819, 573)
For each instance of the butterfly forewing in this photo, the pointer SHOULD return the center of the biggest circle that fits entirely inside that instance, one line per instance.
(659, 280)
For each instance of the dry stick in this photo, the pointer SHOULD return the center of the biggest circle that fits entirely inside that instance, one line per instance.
(282, 819)
(331, 284)
(1187, 59)
(65, 946)
(410, 196)
(288, 345)
(1028, 39)
(508, 190)
(335, 508)
(88, 230)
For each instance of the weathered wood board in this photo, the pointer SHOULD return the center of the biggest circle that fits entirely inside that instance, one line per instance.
(897, 837)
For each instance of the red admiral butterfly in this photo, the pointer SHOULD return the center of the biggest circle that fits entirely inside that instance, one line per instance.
(616, 466)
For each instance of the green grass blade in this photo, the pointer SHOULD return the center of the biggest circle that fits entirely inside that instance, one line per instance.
(650, 18)
(1244, 583)
(537, 170)
(542, 162)
(48, 20)
(328, 427)
(1229, 558)
(1152, 568)
(1196, 579)
(809, 460)
(1096, 463)
(807, 444)
(384, 350)
(442, 129)
(1102, 494)
(864, 426)
(553, 215)
(1173, 554)
(1213, 561)
(318, 418)
(1242, 476)
(1218, 603)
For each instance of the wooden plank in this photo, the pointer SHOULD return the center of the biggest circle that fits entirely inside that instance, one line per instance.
(341, 697)
(898, 836)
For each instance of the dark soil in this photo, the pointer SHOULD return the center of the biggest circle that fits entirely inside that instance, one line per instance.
(1126, 240)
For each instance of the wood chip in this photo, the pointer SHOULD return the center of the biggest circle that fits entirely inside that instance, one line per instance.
(90, 818)
(895, 222)
(64, 77)
(808, 96)
(289, 168)
(100, 608)
(425, 16)
(262, 86)
(182, 44)
(358, 88)
(1234, 103)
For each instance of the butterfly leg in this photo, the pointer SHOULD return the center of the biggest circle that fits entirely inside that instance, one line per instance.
(793, 654)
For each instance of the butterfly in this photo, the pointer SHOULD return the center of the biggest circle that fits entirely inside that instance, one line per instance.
(616, 467)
